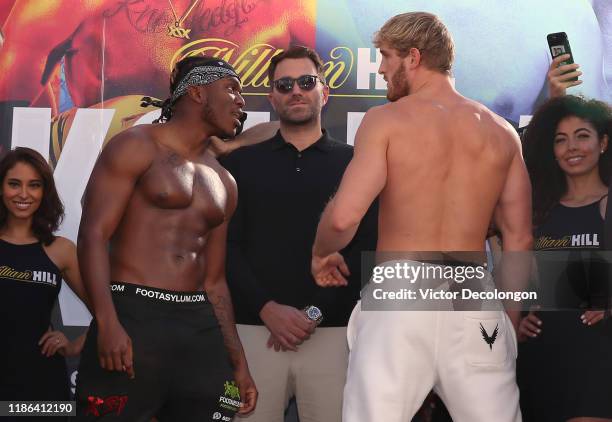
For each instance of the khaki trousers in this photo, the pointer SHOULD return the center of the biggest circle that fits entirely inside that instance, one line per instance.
(315, 375)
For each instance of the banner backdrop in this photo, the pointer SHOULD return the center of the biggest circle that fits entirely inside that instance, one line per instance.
(72, 72)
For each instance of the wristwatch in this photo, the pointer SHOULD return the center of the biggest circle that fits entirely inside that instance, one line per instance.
(314, 314)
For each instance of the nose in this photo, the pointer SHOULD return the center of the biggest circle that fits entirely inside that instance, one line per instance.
(23, 191)
(572, 143)
(240, 100)
(296, 89)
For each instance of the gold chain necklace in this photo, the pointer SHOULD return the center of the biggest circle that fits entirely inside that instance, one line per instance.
(177, 30)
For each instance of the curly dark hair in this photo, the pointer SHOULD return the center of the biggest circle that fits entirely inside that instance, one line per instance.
(50, 213)
(547, 179)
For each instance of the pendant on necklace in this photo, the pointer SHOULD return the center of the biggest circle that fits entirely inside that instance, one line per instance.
(177, 31)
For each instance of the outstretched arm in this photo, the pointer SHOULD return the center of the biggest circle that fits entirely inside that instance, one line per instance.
(363, 180)
(251, 136)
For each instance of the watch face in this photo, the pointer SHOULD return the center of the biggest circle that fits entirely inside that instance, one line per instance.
(313, 313)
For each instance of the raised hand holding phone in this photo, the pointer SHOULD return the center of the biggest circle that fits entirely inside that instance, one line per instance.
(563, 72)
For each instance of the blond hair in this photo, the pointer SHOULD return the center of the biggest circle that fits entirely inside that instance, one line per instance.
(423, 31)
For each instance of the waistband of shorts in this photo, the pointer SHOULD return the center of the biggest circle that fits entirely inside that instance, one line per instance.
(120, 288)
(449, 262)
(442, 261)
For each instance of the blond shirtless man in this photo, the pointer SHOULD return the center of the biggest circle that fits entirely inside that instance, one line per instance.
(443, 167)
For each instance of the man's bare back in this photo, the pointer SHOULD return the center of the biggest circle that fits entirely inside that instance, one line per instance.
(443, 167)
(176, 202)
(447, 162)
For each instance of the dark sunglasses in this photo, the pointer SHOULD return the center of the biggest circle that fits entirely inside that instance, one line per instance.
(305, 82)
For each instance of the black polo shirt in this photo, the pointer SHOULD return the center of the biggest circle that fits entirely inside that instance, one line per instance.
(281, 195)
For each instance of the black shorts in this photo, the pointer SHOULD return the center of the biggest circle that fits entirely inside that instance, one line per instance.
(182, 367)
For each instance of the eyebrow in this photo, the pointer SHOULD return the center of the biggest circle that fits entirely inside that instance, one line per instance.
(583, 128)
(576, 131)
(234, 82)
(14, 179)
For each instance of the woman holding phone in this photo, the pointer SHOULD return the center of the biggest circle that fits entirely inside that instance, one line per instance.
(565, 361)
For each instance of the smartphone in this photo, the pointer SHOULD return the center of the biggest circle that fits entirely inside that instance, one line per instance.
(559, 44)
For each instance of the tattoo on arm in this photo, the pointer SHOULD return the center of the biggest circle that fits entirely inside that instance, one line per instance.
(222, 305)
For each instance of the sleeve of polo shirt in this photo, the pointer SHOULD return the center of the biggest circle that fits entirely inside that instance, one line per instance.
(240, 278)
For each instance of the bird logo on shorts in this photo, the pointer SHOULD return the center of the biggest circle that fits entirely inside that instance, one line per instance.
(489, 340)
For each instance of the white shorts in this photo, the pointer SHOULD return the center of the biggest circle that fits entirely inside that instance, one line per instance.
(397, 357)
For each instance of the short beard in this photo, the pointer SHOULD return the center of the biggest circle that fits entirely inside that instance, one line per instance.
(310, 117)
(209, 116)
(398, 88)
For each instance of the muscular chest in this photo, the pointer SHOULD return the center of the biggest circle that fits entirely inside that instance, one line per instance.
(191, 187)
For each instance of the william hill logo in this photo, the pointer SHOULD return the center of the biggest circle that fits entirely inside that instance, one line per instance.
(568, 241)
(587, 239)
(253, 62)
(28, 276)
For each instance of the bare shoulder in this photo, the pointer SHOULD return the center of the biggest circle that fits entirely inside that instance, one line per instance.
(403, 112)
(133, 147)
(379, 117)
(498, 127)
(140, 136)
(62, 252)
(507, 132)
(394, 110)
(63, 245)
(374, 129)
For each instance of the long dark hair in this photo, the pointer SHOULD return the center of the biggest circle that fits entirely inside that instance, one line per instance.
(50, 213)
(547, 179)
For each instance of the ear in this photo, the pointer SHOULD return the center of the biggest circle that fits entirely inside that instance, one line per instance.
(325, 94)
(604, 143)
(272, 100)
(413, 58)
(197, 94)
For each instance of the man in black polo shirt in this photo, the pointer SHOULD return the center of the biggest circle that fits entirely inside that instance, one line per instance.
(293, 332)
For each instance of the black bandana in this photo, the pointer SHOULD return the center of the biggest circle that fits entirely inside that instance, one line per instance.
(203, 75)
